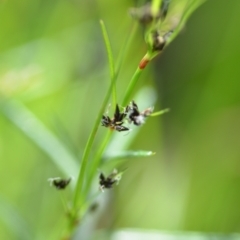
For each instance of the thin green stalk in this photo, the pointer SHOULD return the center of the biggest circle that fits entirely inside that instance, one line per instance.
(96, 160)
(160, 112)
(131, 86)
(110, 60)
(80, 181)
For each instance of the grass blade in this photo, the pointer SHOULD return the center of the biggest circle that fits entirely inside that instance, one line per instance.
(160, 112)
(33, 128)
(127, 154)
(110, 61)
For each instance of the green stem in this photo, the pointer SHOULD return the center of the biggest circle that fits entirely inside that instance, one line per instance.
(96, 160)
(110, 61)
(79, 187)
(131, 86)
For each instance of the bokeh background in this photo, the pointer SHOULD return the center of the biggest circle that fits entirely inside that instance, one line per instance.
(53, 63)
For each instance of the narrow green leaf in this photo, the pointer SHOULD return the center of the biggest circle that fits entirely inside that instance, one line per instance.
(127, 154)
(33, 128)
(110, 60)
(160, 112)
(115, 159)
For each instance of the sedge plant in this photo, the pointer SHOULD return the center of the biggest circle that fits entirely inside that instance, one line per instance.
(156, 43)
(157, 36)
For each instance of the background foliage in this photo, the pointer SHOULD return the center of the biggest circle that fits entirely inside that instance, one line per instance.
(53, 63)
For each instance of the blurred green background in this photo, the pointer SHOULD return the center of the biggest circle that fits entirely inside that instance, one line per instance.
(53, 63)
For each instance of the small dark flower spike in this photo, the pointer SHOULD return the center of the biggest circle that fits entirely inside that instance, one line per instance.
(116, 122)
(135, 116)
(108, 182)
(118, 116)
(121, 128)
(106, 121)
(59, 183)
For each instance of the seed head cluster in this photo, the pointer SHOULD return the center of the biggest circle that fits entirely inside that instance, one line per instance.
(130, 114)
